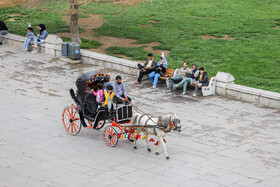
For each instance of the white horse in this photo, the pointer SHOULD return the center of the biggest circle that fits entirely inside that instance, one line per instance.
(156, 126)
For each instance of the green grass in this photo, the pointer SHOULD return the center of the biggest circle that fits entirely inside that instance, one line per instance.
(52, 20)
(252, 57)
(86, 44)
(135, 53)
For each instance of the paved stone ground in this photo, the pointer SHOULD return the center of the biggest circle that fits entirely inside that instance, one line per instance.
(223, 142)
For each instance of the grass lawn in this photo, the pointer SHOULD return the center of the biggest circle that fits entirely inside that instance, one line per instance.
(250, 50)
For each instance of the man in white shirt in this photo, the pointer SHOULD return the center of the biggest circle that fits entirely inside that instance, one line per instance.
(148, 67)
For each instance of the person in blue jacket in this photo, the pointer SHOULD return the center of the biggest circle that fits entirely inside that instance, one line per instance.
(30, 36)
(41, 38)
(160, 71)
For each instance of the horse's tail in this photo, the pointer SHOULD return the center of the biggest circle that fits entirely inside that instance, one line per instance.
(134, 119)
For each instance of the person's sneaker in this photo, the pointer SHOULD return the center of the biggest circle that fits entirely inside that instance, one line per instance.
(168, 91)
(154, 86)
(194, 95)
(137, 82)
(176, 86)
(184, 93)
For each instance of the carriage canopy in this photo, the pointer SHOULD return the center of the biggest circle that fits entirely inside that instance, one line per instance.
(89, 79)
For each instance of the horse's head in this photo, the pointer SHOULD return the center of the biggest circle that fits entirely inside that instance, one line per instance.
(175, 123)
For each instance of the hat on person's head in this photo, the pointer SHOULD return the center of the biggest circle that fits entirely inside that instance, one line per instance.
(109, 87)
(150, 54)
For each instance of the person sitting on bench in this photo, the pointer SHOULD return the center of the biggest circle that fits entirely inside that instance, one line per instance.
(180, 75)
(148, 67)
(201, 80)
(119, 89)
(160, 71)
(189, 79)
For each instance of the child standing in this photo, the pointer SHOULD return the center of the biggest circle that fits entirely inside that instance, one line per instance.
(30, 36)
(98, 94)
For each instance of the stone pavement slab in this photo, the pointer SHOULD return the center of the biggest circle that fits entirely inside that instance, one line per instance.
(223, 142)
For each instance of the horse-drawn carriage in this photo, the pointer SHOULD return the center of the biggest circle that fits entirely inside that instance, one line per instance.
(85, 112)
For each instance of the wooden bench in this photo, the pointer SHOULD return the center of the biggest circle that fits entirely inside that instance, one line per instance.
(169, 73)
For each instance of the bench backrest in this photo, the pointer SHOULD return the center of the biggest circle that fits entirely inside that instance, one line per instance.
(169, 72)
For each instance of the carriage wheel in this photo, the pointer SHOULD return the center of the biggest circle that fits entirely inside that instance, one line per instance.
(111, 136)
(71, 120)
(100, 124)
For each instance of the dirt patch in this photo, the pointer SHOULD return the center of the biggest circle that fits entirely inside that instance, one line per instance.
(144, 26)
(207, 37)
(95, 21)
(276, 27)
(10, 3)
(13, 15)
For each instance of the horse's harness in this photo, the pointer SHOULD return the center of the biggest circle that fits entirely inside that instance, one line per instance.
(159, 123)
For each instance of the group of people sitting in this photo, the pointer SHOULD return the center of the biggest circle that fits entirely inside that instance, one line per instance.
(184, 76)
(39, 39)
(109, 95)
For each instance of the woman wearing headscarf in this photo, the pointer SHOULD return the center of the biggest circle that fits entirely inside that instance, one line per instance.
(160, 71)
(3, 30)
(40, 37)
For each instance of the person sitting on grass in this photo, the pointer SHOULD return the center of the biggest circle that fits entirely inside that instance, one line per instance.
(180, 75)
(119, 89)
(30, 36)
(3, 30)
(110, 100)
(98, 94)
(201, 80)
(160, 71)
(40, 37)
(193, 73)
(148, 67)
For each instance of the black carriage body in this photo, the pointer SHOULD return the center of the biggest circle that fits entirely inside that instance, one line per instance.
(86, 81)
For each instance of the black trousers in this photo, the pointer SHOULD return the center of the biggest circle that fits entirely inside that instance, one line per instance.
(119, 101)
(143, 72)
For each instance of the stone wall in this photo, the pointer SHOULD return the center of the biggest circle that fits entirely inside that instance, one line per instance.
(224, 85)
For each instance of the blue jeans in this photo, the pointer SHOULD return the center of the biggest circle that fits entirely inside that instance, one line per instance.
(185, 83)
(154, 78)
(26, 44)
(38, 42)
(174, 79)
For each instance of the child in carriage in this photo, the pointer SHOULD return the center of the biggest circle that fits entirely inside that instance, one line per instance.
(110, 99)
(98, 93)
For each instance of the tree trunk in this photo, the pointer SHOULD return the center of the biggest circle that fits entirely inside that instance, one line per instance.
(74, 25)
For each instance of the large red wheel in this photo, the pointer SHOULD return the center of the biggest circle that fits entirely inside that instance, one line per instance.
(100, 124)
(111, 136)
(71, 120)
